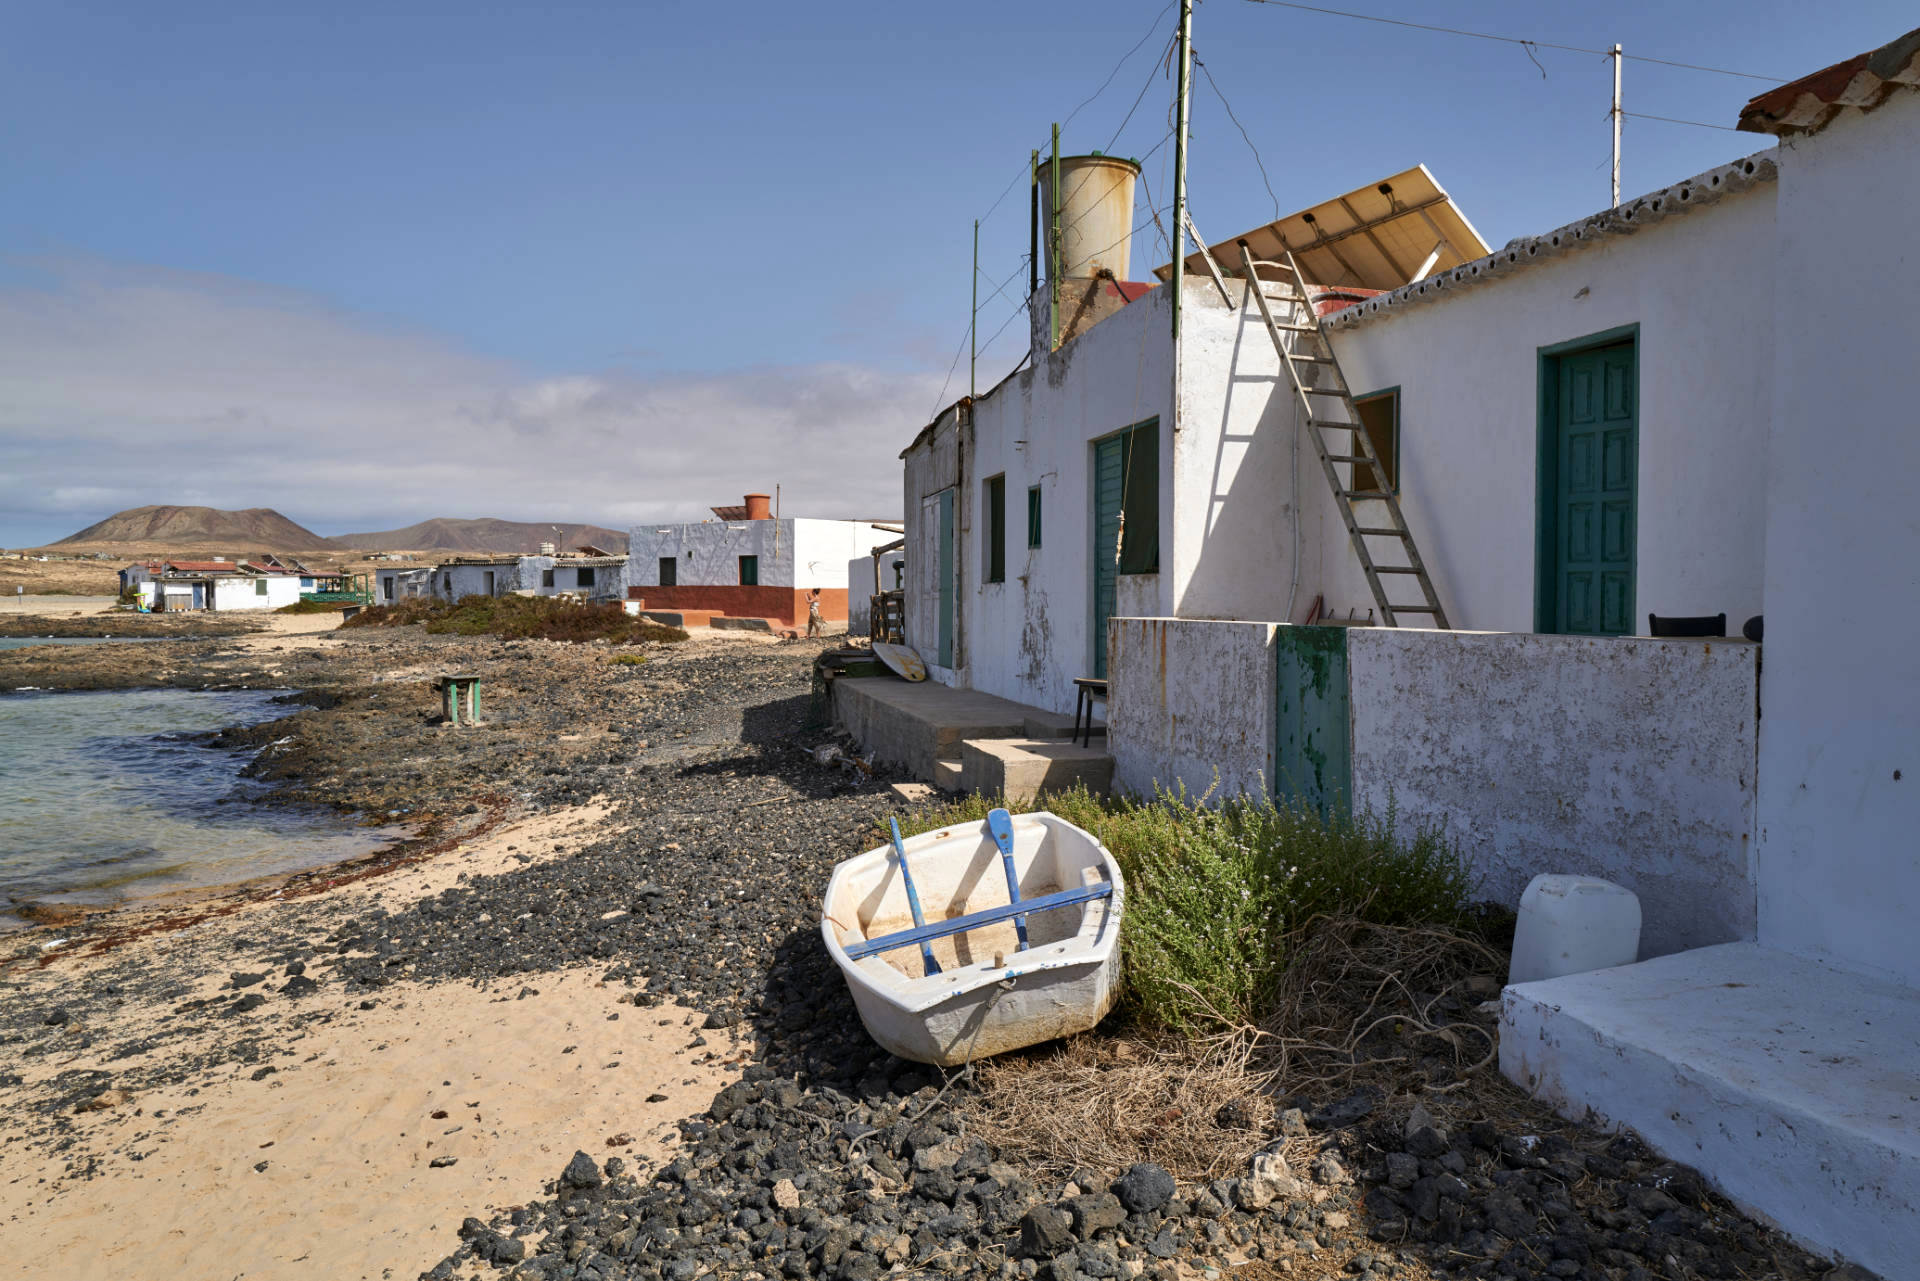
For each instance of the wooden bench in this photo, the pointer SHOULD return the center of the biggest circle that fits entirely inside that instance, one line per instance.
(450, 688)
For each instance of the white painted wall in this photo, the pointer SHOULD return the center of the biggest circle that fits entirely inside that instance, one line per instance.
(1840, 745)
(1191, 704)
(1701, 289)
(1028, 637)
(1233, 516)
(795, 552)
(1628, 759)
(860, 587)
(609, 581)
(453, 582)
(242, 593)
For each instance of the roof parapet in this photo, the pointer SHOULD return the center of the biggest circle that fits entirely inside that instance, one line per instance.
(1683, 197)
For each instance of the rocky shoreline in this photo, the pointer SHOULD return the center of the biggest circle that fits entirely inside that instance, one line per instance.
(693, 886)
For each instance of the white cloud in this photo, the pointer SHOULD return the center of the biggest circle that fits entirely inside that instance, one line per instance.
(121, 386)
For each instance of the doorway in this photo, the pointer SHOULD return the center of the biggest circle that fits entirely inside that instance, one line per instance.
(1588, 496)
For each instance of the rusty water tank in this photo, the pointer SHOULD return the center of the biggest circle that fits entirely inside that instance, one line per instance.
(1096, 214)
(759, 506)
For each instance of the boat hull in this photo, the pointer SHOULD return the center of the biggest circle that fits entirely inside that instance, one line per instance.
(987, 997)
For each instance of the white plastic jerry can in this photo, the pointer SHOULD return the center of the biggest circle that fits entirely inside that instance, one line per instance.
(1573, 924)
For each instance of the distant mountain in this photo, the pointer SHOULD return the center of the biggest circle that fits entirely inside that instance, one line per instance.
(444, 534)
(256, 528)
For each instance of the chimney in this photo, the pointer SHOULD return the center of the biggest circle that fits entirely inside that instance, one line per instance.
(759, 506)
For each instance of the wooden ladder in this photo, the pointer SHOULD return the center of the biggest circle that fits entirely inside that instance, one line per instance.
(1316, 394)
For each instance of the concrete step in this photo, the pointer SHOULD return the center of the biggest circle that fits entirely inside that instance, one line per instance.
(948, 776)
(1058, 725)
(724, 622)
(916, 723)
(1788, 1083)
(1023, 769)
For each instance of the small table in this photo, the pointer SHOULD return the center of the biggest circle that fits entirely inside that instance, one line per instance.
(450, 689)
(1086, 689)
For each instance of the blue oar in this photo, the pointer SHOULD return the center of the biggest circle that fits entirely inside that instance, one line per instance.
(913, 899)
(1000, 823)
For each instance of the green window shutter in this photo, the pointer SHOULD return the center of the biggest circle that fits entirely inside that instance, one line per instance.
(1140, 500)
(749, 571)
(259, 587)
(1108, 470)
(1033, 516)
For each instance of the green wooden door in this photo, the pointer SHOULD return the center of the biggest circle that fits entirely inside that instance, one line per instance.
(1596, 477)
(944, 657)
(1109, 481)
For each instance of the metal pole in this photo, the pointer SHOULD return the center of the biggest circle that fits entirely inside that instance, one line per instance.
(1180, 159)
(1617, 60)
(1053, 244)
(973, 326)
(1033, 232)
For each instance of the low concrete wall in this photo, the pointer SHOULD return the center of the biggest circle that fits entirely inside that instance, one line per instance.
(1191, 703)
(1628, 759)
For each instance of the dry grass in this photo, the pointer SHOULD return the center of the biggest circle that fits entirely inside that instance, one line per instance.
(1359, 1004)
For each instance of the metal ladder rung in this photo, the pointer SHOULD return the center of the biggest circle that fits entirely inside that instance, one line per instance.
(1311, 360)
(1375, 533)
(1325, 391)
(1413, 609)
(1398, 569)
(1328, 422)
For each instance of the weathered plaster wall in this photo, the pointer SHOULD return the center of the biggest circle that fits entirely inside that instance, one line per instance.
(1840, 746)
(934, 462)
(1627, 759)
(707, 554)
(1234, 511)
(1701, 289)
(1190, 704)
(1028, 637)
(860, 587)
(471, 580)
(609, 581)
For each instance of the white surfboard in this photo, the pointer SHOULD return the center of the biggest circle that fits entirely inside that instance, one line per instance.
(901, 660)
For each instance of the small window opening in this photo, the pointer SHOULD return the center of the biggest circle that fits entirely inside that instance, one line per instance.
(1033, 516)
(669, 571)
(996, 504)
(749, 571)
(1380, 416)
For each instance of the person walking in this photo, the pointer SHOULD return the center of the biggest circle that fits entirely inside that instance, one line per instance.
(816, 625)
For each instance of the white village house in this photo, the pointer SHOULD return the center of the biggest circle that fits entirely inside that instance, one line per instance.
(212, 584)
(593, 577)
(1697, 404)
(749, 563)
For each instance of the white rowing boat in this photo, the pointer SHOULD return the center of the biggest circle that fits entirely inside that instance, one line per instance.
(946, 966)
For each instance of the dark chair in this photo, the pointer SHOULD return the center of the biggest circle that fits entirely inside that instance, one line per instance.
(1086, 690)
(1704, 625)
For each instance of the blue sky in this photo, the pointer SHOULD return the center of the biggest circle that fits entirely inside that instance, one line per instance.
(706, 242)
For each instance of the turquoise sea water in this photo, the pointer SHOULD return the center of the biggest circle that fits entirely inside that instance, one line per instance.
(105, 796)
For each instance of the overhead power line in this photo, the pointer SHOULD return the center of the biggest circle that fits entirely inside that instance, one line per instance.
(1672, 120)
(1530, 44)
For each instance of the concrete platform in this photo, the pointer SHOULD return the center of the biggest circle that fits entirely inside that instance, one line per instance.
(1022, 769)
(1059, 725)
(1794, 1087)
(915, 723)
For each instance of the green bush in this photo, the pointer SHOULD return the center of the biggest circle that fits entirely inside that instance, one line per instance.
(311, 607)
(520, 618)
(1212, 891)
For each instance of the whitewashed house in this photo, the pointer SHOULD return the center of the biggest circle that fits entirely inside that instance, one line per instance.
(215, 585)
(747, 563)
(1696, 404)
